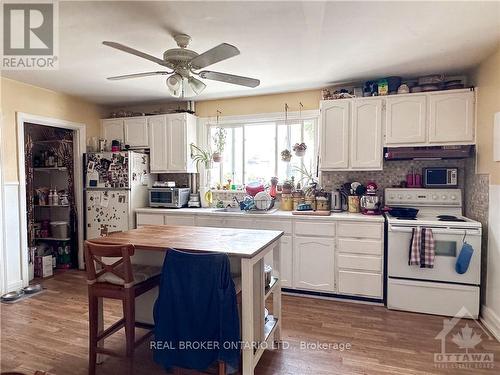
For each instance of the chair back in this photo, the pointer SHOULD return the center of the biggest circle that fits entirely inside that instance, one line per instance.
(122, 268)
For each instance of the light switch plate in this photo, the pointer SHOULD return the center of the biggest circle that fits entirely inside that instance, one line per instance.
(496, 137)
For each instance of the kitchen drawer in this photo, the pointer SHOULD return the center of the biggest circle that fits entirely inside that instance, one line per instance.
(357, 262)
(359, 230)
(314, 228)
(186, 220)
(149, 219)
(360, 283)
(282, 225)
(359, 246)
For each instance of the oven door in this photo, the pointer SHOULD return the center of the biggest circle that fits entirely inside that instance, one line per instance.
(161, 197)
(448, 243)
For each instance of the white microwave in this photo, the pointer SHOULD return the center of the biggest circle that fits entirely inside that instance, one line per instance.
(169, 197)
(440, 177)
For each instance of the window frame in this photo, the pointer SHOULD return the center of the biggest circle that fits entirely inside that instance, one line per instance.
(278, 120)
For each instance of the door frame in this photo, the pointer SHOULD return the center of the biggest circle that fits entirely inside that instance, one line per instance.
(79, 148)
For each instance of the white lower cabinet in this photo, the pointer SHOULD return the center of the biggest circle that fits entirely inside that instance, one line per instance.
(342, 257)
(314, 260)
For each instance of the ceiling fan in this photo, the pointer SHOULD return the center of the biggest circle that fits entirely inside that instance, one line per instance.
(185, 64)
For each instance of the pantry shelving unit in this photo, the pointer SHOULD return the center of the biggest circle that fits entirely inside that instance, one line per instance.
(49, 166)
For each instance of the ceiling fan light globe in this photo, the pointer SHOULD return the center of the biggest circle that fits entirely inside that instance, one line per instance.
(174, 82)
(196, 85)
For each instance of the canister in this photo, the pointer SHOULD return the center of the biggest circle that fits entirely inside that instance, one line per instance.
(286, 202)
(353, 202)
(322, 204)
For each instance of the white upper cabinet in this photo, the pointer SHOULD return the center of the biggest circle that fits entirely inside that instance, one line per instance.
(334, 133)
(136, 132)
(366, 134)
(170, 138)
(112, 129)
(405, 121)
(158, 140)
(351, 134)
(434, 118)
(451, 117)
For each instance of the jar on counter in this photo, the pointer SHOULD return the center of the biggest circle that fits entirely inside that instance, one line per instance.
(353, 204)
(286, 202)
(322, 204)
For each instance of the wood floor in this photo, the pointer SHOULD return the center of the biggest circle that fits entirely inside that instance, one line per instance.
(49, 332)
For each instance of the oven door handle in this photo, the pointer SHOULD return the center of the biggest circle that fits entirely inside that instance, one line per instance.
(436, 230)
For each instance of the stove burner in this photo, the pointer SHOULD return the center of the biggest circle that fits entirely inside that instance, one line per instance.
(406, 218)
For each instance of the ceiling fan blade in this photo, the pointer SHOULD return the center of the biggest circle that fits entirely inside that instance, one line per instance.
(221, 52)
(135, 52)
(137, 75)
(229, 78)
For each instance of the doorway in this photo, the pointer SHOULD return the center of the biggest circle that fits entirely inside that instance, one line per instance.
(51, 205)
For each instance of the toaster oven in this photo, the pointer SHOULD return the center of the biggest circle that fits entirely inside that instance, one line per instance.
(169, 197)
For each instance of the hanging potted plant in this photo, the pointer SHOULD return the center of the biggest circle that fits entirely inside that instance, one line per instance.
(219, 139)
(299, 149)
(286, 155)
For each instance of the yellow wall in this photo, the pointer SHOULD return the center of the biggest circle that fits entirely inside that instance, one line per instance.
(259, 104)
(487, 79)
(21, 97)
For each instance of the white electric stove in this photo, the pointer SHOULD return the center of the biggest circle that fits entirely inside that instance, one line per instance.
(439, 290)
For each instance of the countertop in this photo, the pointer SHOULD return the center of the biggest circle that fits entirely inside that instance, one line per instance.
(243, 243)
(275, 215)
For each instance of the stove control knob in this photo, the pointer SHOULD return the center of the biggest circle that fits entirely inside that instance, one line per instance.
(443, 197)
(400, 196)
(434, 197)
(453, 197)
(408, 196)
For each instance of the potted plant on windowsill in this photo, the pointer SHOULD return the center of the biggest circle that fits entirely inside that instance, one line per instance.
(219, 139)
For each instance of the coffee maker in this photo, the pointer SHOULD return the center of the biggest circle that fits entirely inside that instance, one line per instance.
(370, 202)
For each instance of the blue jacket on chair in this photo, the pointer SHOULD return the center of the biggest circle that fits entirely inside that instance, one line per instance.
(196, 306)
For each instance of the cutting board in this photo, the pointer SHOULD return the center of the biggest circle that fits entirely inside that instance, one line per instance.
(311, 213)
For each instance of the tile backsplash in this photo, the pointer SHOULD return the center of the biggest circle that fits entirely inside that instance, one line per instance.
(393, 173)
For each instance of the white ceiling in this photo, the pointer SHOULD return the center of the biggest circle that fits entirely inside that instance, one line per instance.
(289, 46)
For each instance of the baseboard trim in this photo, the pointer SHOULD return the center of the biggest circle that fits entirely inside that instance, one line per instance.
(491, 321)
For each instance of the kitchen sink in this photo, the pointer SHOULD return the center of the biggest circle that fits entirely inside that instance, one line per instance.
(251, 212)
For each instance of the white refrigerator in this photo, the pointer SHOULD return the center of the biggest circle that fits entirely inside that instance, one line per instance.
(116, 183)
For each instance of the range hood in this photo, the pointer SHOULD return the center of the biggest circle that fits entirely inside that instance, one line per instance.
(428, 153)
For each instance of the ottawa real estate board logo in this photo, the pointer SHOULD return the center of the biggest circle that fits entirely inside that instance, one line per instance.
(459, 338)
(30, 38)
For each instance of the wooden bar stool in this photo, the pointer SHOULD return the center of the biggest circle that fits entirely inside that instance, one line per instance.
(120, 280)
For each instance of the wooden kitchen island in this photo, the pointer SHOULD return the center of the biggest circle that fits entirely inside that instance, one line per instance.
(246, 249)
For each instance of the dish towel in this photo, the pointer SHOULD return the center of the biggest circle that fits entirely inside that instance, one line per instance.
(422, 248)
